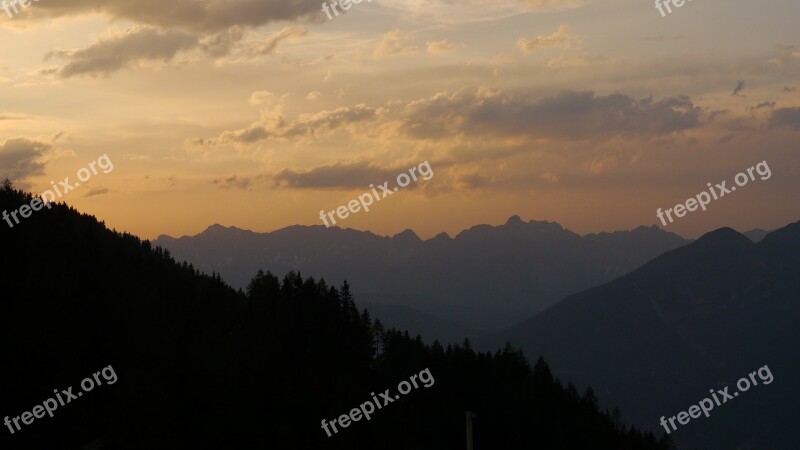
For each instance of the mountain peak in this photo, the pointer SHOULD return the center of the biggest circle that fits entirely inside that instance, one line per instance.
(514, 220)
(407, 236)
(217, 230)
(722, 239)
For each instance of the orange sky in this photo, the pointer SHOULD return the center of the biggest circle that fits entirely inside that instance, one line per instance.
(261, 113)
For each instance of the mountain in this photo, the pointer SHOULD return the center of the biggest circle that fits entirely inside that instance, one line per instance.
(485, 278)
(695, 318)
(147, 353)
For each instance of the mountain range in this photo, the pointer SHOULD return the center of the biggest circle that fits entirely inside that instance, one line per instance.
(482, 280)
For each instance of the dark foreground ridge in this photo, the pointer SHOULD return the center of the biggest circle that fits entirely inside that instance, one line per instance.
(202, 366)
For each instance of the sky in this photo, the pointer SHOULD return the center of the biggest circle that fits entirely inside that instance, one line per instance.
(260, 114)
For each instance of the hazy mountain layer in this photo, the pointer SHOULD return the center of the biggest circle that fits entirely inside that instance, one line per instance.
(485, 278)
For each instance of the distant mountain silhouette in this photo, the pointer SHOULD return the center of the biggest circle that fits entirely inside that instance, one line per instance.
(202, 366)
(485, 278)
(656, 340)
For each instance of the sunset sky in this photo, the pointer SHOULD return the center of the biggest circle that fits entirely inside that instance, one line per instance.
(260, 113)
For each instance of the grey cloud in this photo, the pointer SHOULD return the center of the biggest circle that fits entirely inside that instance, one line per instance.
(785, 117)
(725, 139)
(96, 192)
(739, 87)
(306, 125)
(474, 181)
(337, 176)
(560, 38)
(569, 115)
(13, 116)
(233, 182)
(20, 158)
(197, 15)
(267, 46)
(392, 44)
(117, 52)
(44, 71)
(719, 112)
(767, 104)
(222, 43)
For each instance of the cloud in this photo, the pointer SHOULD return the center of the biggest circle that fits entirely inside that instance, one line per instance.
(261, 97)
(221, 44)
(785, 117)
(118, 50)
(270, 44)
(233, 183)
(439, 47)
(21, 158)
(560, 38)
(567, 61)
(274, 126)
(13, 116)
(767, 104)
(205, 16)
(569, 115)
(484, 114)
(392, 45)
(44, 71)
(336, 176)
(725, 139)
(250, 50)
(740, 85)
(96, 192)
(313, 95)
